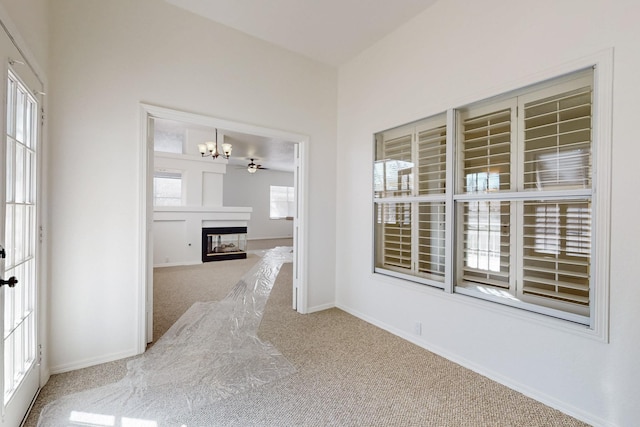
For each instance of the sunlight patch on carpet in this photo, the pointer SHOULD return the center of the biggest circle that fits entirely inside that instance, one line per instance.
(212, 352)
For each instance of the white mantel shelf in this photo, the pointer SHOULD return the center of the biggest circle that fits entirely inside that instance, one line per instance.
(204, 209)
(203, 213)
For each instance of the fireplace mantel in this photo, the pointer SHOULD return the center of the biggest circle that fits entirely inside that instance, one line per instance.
(205, 209)
(208, 215)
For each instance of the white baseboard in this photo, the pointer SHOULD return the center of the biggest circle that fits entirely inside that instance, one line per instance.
(177, 264)
(544, 398)
(320, 307)
(45, 374)
(91, 362)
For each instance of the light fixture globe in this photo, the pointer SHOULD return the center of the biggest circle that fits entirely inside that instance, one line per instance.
(210, 149)
(252, 168)
(226, 149)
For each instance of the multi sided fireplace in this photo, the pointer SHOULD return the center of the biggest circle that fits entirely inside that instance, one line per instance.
(223, 243)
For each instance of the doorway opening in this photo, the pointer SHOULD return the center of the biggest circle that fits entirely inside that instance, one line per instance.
(235, 132)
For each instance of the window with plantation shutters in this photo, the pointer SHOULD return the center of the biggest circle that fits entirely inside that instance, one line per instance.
(409, 192)
(496, 200)
(523, 198)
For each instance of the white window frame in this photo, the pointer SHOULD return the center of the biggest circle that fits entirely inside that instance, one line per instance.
(598, 320)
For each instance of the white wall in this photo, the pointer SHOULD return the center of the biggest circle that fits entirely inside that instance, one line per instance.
(177, 232)
(454, 52)
(244, 189)
(202, 178)
(106, 58)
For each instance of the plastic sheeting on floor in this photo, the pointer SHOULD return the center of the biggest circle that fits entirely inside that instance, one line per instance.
(212, 352)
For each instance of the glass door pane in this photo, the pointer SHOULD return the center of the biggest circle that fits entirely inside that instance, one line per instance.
(19, 335)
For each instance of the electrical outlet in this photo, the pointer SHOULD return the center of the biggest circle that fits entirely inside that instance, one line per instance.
(417, 328)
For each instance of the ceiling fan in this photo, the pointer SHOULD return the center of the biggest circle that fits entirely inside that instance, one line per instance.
(252, 167)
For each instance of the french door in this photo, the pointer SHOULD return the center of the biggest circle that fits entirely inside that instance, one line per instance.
(18, 224)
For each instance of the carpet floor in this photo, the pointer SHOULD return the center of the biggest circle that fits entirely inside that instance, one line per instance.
(348, 372)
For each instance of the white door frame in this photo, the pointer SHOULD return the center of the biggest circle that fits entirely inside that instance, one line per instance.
(145, 209)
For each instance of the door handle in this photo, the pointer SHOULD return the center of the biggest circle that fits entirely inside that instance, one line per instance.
(11, 282)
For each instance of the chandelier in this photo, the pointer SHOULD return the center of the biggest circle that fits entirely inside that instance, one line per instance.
(210, 148)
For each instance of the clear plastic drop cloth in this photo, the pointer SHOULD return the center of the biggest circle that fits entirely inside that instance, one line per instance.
(212, 352)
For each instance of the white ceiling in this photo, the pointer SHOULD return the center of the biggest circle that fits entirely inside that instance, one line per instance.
(329, 31)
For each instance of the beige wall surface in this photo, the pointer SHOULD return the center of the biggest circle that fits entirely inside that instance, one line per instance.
(107, 58)
(458, 52)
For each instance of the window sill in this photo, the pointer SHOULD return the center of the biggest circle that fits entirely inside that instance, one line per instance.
(407, 277)
(503, 297)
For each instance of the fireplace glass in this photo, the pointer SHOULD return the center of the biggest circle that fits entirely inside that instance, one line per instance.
(224, 243)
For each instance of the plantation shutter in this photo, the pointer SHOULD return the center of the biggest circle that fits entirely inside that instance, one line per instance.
(396, 234)
(486, 146)
(411, 165)
(431, 171)
(486, 247)
(557, 141)
(432, 158)
(519, 211)
(557, 145)
(431, 244)
(394, 171)
(557, 250)
(395, 174)
(486, 158)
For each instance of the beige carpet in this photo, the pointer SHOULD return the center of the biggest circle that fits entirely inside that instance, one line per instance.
(175, 289)
(349, 373)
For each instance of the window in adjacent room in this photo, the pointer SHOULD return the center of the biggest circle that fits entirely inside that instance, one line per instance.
(167, 188)
(168, 136)
(506, 188)
(281, 202)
